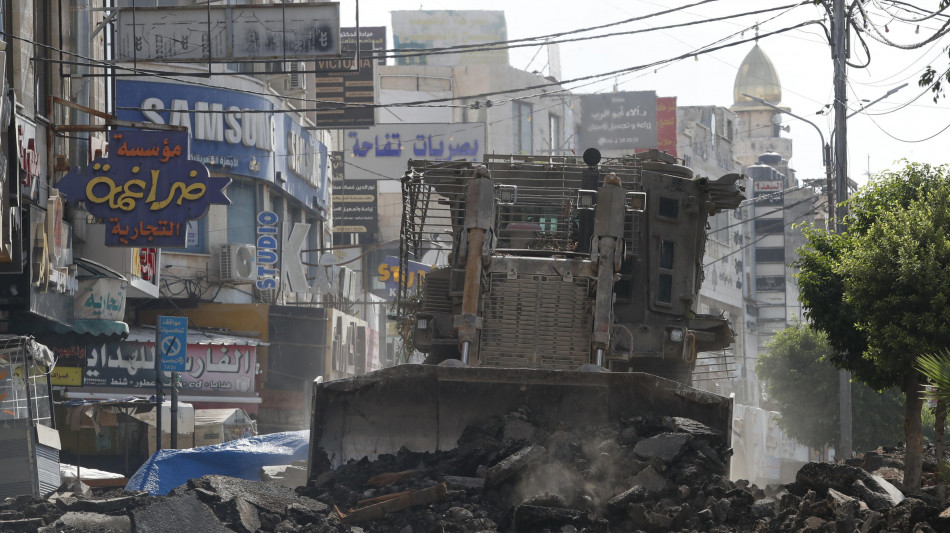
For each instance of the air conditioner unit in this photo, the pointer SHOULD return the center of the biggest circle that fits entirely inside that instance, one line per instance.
(297, 80)
(237, 262)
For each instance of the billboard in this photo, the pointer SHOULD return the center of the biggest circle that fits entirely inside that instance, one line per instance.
(420, 30)
(381, 152)
(355, 207)
(339, 80)
(146, 190)
(228, 33)
(371, 38)
(619, 121)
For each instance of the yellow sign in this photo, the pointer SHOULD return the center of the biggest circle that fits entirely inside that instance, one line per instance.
(61, 376)
(66, 376)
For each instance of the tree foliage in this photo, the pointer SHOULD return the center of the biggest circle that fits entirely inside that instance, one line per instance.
(881, 289)
(803, 386)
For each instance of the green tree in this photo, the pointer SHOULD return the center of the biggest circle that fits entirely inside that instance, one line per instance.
(803, 387)
(881, 290)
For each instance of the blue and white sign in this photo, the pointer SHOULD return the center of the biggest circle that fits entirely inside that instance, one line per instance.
(381, 152)
(235, 132)
(173, 342)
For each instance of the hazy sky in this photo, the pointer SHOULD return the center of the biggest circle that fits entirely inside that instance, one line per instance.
(876, 138)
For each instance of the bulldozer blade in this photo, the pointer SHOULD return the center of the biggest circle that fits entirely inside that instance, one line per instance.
(425, 408)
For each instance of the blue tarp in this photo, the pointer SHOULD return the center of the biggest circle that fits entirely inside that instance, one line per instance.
(241, 458)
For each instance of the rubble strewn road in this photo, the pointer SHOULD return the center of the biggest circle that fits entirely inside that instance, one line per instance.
(517, 474)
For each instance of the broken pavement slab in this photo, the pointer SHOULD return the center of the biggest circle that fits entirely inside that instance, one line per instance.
(666, 446)
(177, 514)
(81, 521)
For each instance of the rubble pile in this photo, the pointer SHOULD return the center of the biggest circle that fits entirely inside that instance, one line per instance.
(517, 474)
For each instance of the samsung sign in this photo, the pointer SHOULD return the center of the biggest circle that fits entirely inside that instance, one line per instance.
(234, 132)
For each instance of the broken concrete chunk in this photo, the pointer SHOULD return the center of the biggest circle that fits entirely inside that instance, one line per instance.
(536, 518)
(666, 446)
(619, 503)
(104, 506)
(177, 514)
(513, 464)
(244, 517)
(875, 500)
(463, 483)
(101, 523)
(290, 476)
(269, 497)
(651, 480)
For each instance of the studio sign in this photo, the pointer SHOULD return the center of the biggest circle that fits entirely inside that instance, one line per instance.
(147, 189)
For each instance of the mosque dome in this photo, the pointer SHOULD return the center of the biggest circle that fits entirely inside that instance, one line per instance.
(757, 77)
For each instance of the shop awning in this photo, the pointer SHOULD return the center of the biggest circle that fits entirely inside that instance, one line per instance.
(196, 336)
(82, 331)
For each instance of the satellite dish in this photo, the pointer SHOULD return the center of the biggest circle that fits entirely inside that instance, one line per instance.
(591, 156)
(244, 262)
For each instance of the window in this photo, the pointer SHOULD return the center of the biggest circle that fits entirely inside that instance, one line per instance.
(669, 208)
(770, 255)
(554, 123)
(769, 226)
(521, 128)
(664, 286)
(242, 213)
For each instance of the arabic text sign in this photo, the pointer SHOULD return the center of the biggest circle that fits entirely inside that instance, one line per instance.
(371, 38)
(207, 367)
(64, 376)
(619, 121)
(384, 149)
(146, 190)
(223, 33)
(354, 207)
(173, 342)
(100, 298)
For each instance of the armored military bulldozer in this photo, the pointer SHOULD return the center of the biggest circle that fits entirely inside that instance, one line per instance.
(569, 287)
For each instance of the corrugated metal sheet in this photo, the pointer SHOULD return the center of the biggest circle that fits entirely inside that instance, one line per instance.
(196, 336)
(536, 321)
(47, 468)
(16, 475)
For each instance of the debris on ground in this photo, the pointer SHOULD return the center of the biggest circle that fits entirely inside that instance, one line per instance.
(515, 474)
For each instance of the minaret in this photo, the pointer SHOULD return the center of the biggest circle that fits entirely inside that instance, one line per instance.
(759, 125)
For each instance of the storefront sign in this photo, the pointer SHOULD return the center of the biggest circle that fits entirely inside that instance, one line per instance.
(147, 189)
(235, 132)
(389, 273)
(355, 209)
(65, 376)
(207, 367)
(267, 250)
(383, 150)
(27, 152)
(102, 298)
(74, 355)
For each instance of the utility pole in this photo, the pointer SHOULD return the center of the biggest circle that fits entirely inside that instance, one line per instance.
(839, 54)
